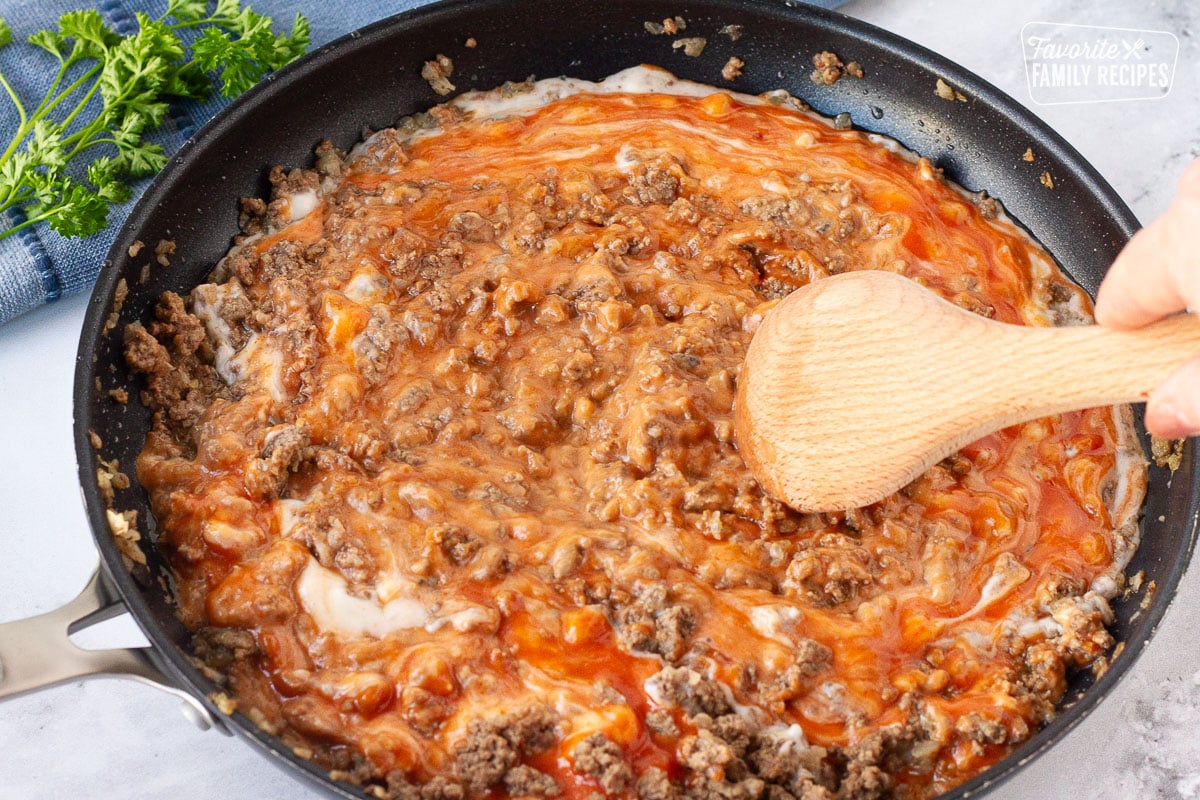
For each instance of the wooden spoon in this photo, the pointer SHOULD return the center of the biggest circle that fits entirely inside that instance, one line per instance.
(856, 384)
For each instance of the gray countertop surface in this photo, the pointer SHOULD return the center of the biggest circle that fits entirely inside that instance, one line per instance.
(111, 738)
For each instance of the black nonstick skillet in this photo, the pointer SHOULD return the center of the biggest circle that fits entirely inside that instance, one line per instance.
(371, 78)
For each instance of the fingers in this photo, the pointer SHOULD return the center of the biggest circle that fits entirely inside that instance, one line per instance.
(1158, 272)
(1173, 410)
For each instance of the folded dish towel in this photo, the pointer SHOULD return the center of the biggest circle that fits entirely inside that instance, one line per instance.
(38, 265)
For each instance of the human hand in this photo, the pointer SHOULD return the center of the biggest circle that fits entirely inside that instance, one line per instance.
(1157, 274)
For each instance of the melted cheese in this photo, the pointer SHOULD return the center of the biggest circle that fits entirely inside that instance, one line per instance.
(326, 597)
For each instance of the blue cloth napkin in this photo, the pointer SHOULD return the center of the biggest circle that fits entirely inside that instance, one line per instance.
(38, 265)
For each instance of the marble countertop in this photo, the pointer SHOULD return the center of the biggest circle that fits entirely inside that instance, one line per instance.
(111, 738)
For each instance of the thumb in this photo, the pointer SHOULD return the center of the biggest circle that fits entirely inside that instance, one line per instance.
(1173, 410)
(1158, 272)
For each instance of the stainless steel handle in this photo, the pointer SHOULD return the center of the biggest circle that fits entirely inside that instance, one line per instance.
(36, 653)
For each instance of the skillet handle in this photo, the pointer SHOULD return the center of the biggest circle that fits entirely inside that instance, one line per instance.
(36, 653)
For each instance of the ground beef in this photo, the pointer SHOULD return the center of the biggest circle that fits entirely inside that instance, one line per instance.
(829, 69)
(652, 625)
(252, 215)
(604, 760)
(172, 323)
(145, 354)
(180, 381)
(472, 226)
(459, 544)
(285, 184)
(493, 747)
(523, 781)
(530, 730)
(661, 722)
(1082, 621)
(829, 571)
(979, 728)
(691, 45)
(865, 768)
(989, 206)
(705, 753)
(287, 260)
(734, 731)
(221, 647)
(398, 787)
(695, 694)
(654, 182)
(483, 757)
(701, 787)
(654, 784)
(864, 782)
(328, 160)
(437, 73)
(281, 455)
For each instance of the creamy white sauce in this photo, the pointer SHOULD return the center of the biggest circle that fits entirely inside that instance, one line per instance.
(1042, 627)
(389, 606)
(256, 362)
(1094, 602)
(231, 537)
(1105, 586)
(1007, 574)
(771, 621)
(207, 300)
(257, 359)
(464, 620)
(366, 286)
(774, 185)
(976, 640)
(288, 512)
(391, 586)
(326, 597)
(301, 204)
(652, 686)
(642, 79)
(789, 738)
(627, 159)
(831, 697)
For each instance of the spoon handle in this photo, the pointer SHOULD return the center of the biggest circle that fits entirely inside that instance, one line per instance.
(1058, 369)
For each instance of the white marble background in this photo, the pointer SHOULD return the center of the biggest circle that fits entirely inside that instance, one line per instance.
(108, 739)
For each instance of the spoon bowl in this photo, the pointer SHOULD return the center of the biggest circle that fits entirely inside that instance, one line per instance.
(856, 384)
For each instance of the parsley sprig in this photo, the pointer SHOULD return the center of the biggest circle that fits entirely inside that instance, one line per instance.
(75, 152)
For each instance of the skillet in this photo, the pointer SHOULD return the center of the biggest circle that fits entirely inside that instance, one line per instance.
(371, 77)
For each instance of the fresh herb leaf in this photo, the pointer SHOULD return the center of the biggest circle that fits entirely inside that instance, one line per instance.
(12, 172)
(92, 37)
(188, 10)
(77, 211)
(293, 46)
(227, 9)
(256, 50)
(46, 146)
(135, 77)
(105, 175)
(50, 41)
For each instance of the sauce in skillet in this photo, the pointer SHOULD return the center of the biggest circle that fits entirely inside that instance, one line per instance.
(444, 466)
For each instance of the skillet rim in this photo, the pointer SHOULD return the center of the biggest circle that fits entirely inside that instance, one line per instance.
(173, 659)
